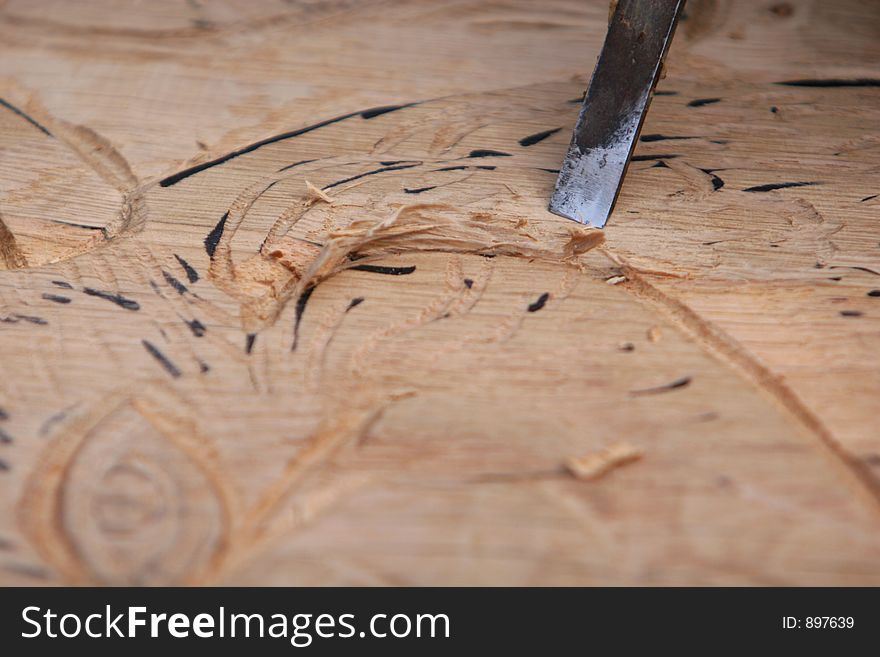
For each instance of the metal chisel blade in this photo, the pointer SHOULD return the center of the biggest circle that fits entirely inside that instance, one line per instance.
(614, 107)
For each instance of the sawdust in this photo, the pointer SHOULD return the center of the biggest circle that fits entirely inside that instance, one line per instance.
(293, 254)
(592, 466)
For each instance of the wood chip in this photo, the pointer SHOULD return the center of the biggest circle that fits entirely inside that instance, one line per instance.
(582, 240)
(318, 194)
(593, 466)
(614, 280)
(654, 334)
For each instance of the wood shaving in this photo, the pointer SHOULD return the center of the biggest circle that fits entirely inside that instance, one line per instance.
(614, 280)
(439, 227)
(592, 466)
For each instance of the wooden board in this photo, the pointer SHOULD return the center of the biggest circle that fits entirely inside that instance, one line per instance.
(281, 302)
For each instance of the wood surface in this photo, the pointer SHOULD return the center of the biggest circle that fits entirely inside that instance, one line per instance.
(281, 302)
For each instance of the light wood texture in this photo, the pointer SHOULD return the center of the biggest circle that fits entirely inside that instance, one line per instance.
(197, 387)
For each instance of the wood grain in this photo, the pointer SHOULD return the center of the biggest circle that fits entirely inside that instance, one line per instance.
(281, 302)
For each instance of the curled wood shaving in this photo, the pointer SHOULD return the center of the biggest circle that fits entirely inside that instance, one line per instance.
(439, 227)
(593, 466)
(293, 265)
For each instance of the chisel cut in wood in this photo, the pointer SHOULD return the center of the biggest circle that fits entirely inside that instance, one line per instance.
(614, 108)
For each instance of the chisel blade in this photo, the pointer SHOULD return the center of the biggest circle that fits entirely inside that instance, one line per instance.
(614, 107)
